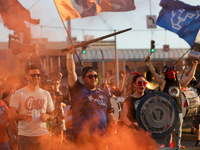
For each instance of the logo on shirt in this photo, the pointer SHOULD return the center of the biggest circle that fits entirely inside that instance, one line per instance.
(101, 96)
(2, 111)
(136, 104)
(99, 101)
(174, 91)
(31, 103)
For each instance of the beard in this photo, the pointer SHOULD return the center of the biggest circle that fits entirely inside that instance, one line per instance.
(91, 85)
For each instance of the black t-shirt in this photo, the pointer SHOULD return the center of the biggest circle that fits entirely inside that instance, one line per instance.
(132, 103)
(174, 90)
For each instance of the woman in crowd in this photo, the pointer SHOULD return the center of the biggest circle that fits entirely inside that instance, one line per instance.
(131, 102)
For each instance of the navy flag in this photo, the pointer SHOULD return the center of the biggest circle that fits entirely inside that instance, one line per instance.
(180, 18)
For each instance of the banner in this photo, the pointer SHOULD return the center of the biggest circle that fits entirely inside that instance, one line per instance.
(71, 9)
(180, 18)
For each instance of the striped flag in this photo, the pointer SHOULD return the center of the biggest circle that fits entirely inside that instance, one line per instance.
(71, 9)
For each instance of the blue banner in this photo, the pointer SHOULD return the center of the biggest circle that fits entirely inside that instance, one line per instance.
(180, 18)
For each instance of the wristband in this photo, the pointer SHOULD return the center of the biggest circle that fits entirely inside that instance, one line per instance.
(69, 56)
(194, 66)
(132, 125)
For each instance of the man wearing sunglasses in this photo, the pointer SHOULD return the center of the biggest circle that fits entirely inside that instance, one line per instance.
(32, 106)
(172, 86)
(92, 113)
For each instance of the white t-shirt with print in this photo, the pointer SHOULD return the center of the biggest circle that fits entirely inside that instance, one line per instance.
(35, 102)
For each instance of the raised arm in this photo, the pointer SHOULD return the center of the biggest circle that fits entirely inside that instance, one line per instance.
(123, 74)
(184, 81)
(157, 77)
(72, 76)
(106, 78)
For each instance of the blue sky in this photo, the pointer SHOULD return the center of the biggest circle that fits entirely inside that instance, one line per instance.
(105, 23)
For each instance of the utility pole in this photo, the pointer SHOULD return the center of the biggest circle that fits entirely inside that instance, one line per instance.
(116, 65)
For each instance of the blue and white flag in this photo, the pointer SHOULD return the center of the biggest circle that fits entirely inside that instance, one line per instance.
(180, 18)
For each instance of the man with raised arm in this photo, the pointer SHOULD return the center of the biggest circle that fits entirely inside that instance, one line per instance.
(92, 113)
(172, 86)
(31, 106)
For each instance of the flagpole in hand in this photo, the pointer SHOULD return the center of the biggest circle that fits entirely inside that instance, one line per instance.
(147, 59)
(68, 35)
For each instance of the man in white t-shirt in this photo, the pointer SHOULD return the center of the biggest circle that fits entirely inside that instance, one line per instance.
(32, 106)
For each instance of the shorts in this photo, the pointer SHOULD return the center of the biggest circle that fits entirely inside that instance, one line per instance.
(4, 146)
(196, 122)
(59, 123)
(33, 142)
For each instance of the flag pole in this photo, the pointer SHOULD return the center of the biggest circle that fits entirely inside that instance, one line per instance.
(69, 37)
(181, 57)
(116, 62)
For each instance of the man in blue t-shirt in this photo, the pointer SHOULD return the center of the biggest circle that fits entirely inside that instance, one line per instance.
(92, 113)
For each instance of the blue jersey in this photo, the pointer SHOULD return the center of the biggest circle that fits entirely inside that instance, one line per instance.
(89, 110)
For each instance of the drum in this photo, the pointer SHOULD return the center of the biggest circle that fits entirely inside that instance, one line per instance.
(117, 108)
(157, 113)
(190, 102)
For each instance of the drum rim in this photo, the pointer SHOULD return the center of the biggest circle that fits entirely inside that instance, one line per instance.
(119, 107)
(152, 94)
(187, 105)
(182, 92)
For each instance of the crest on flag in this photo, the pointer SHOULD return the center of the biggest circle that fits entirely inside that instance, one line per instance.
(180, 18)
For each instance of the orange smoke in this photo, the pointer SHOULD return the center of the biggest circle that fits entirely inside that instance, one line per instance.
(124, 139)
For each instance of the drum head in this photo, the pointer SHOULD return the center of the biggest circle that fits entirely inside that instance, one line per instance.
(184, 103)
(115, 105)
(190, 102)
(157, 113)
(66, 111)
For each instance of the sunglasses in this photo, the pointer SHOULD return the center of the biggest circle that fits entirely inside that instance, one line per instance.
(34, 75)
(91, 76)
(140, 83)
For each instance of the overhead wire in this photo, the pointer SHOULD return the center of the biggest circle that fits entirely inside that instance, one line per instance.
(106, 23)
(95, 29)
(34, 4)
